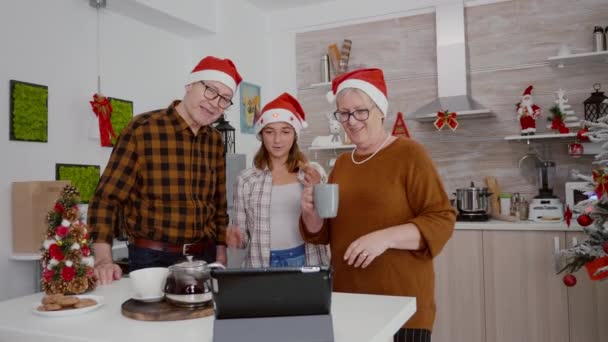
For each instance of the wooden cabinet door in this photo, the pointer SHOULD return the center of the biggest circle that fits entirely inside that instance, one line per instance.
(587, 304)
(525, 299)
(459, 289)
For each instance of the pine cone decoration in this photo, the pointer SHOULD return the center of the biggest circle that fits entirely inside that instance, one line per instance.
(70, 191)
(92, 283)
(71, 214)
(54, 288)
(78, 285)
(75, 256)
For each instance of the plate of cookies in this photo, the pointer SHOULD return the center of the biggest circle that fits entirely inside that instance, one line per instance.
(61, 305)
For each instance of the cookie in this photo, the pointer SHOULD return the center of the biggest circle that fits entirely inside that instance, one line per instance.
(49, 307)
(51, 299)
(67, 301)
(83, 303)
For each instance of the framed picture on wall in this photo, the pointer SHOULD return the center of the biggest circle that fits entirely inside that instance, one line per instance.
(250, 102)
(122, 113)
(29, 111)
(83, 177)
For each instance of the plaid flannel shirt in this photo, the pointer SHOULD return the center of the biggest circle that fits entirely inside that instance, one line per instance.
(252, 199)
(169, 182)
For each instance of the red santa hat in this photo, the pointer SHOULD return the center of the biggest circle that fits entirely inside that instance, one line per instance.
(284, 108)
(370, 81)
(215, 69)
(528, 91)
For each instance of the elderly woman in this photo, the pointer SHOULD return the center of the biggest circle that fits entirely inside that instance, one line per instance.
(267, 195)
(394, 215)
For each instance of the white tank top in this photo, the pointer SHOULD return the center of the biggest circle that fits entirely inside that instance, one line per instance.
(284, 216)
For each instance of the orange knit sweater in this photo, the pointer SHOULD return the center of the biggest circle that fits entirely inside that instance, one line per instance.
(398, 185)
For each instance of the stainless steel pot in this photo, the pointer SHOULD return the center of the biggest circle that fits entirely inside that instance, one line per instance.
(473, 200)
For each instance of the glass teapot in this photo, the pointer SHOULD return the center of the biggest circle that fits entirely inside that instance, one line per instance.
(189, 283)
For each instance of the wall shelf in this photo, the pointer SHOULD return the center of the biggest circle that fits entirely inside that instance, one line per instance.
(317, 85)
(587, 57)
(540, 136)
(481, 113)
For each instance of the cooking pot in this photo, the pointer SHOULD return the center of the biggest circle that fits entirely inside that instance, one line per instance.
(473, 200)
(189, 283)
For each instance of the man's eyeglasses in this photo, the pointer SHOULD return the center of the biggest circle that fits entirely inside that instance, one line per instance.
(358, 114)
(212, 94)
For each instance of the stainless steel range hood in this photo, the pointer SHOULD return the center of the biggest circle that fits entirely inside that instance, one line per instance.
(451, 67)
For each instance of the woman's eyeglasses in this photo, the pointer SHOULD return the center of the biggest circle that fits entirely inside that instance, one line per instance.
(212, 94)
(358, 114)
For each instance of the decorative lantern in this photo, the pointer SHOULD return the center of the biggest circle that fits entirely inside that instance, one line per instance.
(227, 134)
(596, 105)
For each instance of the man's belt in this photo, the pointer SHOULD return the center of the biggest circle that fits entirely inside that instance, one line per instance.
(195, 248)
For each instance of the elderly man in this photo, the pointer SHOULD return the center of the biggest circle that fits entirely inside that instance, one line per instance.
(167, 176)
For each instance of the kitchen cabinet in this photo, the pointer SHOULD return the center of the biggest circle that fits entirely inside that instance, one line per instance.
(459, 289)
(587, 304)
(525, 299)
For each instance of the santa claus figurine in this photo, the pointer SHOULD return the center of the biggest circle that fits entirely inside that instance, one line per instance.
(527, 112)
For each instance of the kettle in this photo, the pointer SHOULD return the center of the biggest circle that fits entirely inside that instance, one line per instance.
(189, 283)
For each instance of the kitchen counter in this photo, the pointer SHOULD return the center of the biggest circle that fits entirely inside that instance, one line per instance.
(356, 317)
(521, 225)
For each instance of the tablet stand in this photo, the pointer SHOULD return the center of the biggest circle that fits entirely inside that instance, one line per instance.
(313, 328)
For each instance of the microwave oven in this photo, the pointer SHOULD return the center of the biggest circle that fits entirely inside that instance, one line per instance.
(577, 192)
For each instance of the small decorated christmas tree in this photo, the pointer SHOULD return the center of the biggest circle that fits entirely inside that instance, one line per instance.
(592, 253)
(562, 116)
(67, 257)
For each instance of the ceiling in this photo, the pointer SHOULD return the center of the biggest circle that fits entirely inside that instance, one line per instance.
(274, 5)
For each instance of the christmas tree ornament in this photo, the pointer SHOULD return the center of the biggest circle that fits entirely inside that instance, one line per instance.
(65, 270)
(527, 112)
(446, 118)
(584, 220)
(562, 116)
(575, 150)
(581, 135)
(568, 215)
(569, 280)
(600, 178)
(597, 269)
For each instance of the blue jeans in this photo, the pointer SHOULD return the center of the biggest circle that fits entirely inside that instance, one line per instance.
(292, 257)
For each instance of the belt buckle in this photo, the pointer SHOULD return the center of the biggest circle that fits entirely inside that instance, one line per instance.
(185, 248)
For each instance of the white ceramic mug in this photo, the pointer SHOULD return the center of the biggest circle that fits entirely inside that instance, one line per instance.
(148, 283)
(326, 199)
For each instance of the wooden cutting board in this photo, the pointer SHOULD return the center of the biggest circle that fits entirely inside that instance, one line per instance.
(163, 311)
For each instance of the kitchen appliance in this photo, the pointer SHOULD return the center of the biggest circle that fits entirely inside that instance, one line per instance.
(577, 192)
(546, 207)
(473, 203)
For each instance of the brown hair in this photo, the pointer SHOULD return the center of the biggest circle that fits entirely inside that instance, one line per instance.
(295, 158)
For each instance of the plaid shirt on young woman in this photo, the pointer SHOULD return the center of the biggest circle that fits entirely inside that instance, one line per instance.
(252, 199)
(170, 183)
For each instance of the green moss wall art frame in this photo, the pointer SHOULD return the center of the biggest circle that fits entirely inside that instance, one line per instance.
(84, 177)
(28, 112)
(122, 113)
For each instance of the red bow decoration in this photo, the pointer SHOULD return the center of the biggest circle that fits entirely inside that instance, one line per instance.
(601, 182)
(446, 118)
(558, 124)
(103, 109)
(580, 134)
(568, 215)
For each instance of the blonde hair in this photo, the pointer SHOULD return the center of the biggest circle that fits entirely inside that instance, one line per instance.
(295, 158)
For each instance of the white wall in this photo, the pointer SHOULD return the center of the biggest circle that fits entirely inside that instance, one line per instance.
(53, 43)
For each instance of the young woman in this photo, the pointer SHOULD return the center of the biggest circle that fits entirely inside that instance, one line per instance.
(267, 197)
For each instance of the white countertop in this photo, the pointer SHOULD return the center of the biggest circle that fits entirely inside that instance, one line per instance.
(356, 317)
(521, 225)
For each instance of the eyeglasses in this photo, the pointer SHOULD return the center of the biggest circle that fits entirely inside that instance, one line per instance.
(358, 114)
(212, 94)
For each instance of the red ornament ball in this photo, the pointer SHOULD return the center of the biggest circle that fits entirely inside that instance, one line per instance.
(569, 280)
(584, 220)
(605, 247)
